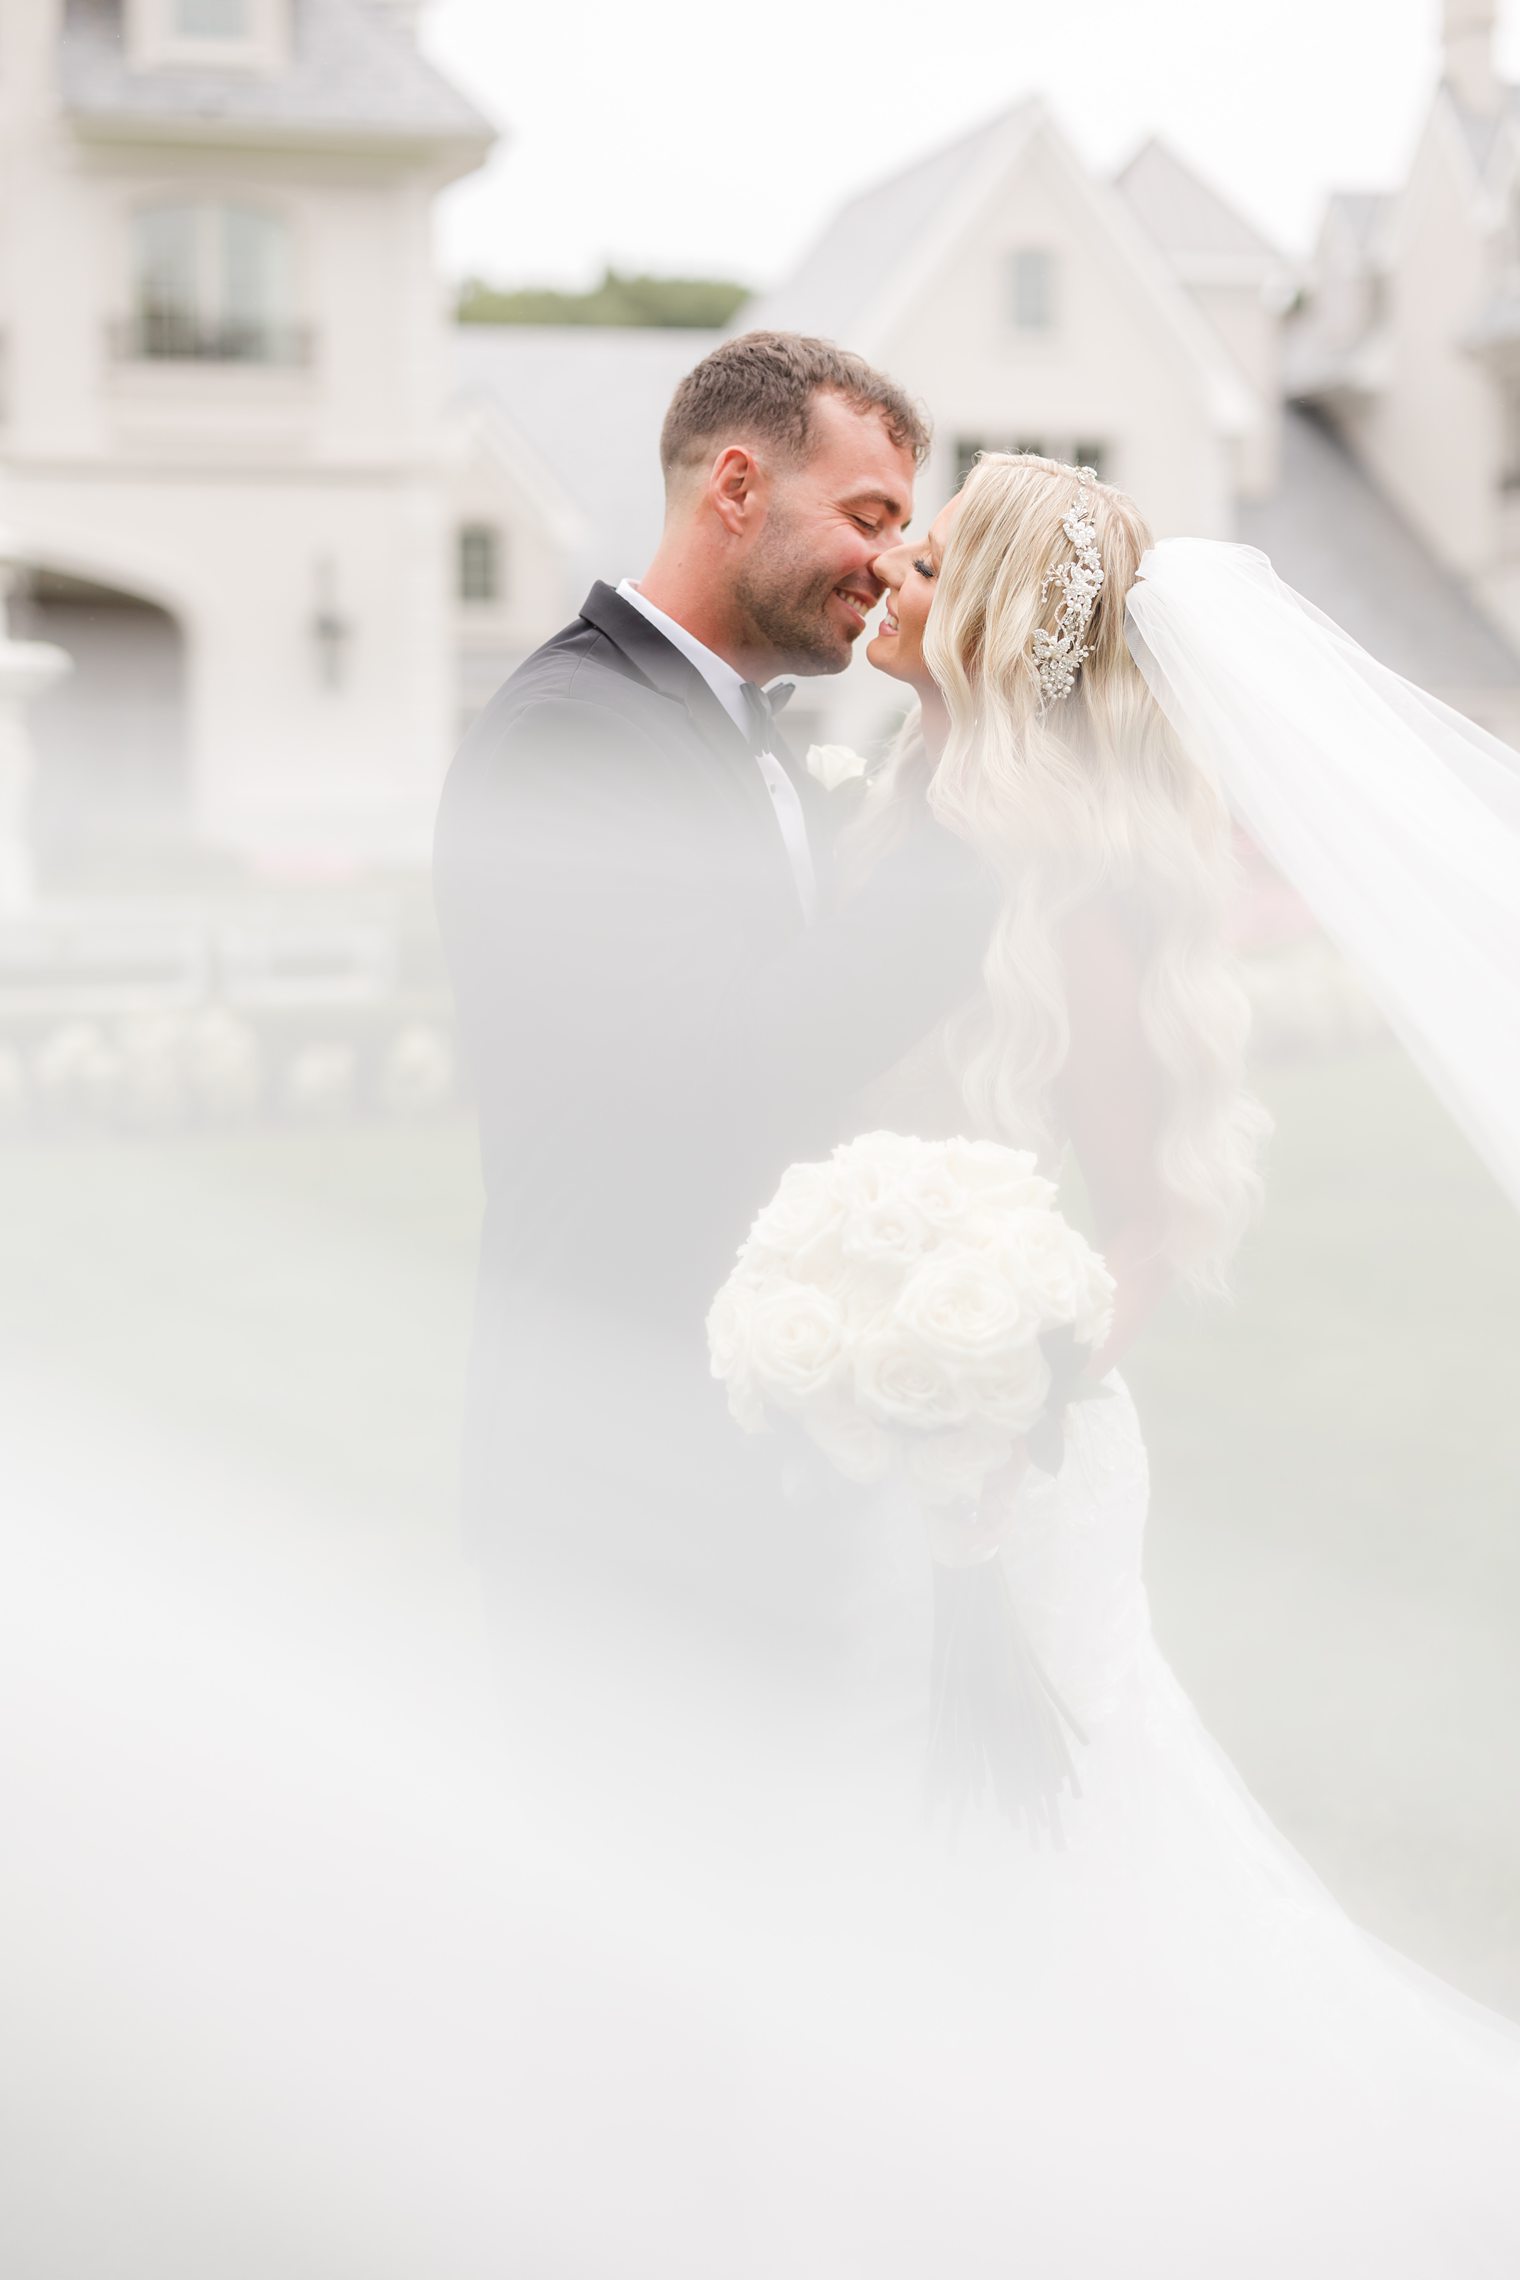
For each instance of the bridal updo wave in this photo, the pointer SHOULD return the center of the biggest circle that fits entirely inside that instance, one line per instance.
(1094, 795)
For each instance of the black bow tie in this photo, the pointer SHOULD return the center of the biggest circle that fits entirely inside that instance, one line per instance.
(762, 706)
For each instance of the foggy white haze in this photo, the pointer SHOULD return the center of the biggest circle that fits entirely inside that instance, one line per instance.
(470, 1800)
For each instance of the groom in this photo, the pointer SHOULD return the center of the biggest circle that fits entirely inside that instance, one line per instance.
(665, 998)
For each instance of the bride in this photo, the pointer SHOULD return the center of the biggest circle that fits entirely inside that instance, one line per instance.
(1161, 2048)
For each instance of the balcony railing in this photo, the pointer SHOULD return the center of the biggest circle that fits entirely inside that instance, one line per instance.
(171, 336)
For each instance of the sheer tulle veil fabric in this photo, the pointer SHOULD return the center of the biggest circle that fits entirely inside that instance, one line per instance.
(1395, 818)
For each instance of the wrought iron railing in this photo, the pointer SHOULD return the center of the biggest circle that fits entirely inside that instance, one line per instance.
(174, 336)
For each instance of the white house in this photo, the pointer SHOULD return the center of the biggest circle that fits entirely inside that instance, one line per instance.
(1034, 306)
(1408, 343)
(294, 527)
(554, 476)
(1030, 304)
(221, 466)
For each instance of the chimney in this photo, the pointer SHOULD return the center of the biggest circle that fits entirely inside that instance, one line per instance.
(1468, 68)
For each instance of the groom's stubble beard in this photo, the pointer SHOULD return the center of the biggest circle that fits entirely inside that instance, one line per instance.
(785, 597)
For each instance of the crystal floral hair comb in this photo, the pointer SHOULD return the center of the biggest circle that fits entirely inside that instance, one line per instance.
(1059, 654)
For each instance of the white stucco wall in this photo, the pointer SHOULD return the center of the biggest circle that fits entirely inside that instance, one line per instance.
(1431, 437)
(243, 497)
(281, 759)
(1248, 322)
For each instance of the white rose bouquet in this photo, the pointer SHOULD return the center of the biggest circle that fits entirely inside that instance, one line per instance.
(920, 1309)
(912, 1305)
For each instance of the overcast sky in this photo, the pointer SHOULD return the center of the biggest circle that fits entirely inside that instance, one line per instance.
(690, 136)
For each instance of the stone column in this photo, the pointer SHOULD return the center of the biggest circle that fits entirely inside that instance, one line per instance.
(27, 670)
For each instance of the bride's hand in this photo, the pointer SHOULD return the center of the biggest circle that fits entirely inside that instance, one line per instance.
(961, 1538)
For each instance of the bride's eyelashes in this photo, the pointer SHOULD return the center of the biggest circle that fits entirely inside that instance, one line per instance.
(923, 566)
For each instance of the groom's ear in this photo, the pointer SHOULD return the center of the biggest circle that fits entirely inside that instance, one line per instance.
(738, 491)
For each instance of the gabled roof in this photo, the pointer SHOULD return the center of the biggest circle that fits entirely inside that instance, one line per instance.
(860, 277)
(353, 76)
(1479, 129)
(1197, 230)
(588, 401)
(1362, 213)
(844, 275)
(1336, 538)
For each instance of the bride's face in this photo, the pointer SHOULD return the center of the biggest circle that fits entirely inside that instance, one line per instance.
(908, 572)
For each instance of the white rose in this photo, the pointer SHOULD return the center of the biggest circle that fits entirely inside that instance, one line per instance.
(954, 1467)
(866, 1290)
(796, 1343)
(728, 1326)
(802, 1211)
(891, 1150)
(960, 1306)
(870, 1165)
(899, 1381)
(1011, 1393)
(729, 1320)
(994, 1174)
(934, 1190)
(885, 1231)
(1047, 1263)
(854, 1444)
(834, 764)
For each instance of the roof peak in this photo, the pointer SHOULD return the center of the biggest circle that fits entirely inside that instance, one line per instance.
(1188, 218)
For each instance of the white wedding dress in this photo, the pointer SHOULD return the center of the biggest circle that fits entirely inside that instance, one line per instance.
(1160, 2049)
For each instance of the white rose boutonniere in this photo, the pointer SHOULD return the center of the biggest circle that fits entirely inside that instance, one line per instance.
(834, 764)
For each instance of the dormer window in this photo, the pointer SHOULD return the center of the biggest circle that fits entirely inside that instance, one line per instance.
(210, 34)
(212, 19)
(214, 284)
(1032, 289)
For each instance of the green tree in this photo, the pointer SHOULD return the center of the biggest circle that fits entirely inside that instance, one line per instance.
(704, 303)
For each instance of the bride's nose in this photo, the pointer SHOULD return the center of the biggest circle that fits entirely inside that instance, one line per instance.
(887, 569)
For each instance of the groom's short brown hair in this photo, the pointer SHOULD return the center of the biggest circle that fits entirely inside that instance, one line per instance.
(763, 384)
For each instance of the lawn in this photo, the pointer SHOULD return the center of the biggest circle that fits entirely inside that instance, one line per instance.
(1335, 1542)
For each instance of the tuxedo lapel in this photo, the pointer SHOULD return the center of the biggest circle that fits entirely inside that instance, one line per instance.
(661, 664)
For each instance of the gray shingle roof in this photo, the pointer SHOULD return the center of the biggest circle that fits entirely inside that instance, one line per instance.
(589, 401)
(1190, 222)
(1334, 536)
(842, 277)
(352, 74)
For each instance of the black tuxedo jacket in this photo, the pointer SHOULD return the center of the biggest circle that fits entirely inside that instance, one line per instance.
(654, 1033)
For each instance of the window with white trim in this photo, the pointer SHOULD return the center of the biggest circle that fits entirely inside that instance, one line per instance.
(231, 35)
(211, 19)
(1071, 453)
(1032, 289)
(1509, 437)
(480, 563)
(215, 283)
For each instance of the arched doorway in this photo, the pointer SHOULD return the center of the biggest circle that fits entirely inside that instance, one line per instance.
(110, 796)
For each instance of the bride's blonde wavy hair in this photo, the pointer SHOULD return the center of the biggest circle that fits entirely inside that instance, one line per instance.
(1094, 795)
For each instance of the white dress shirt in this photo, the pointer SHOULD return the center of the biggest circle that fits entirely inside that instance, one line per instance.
(728, 687)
